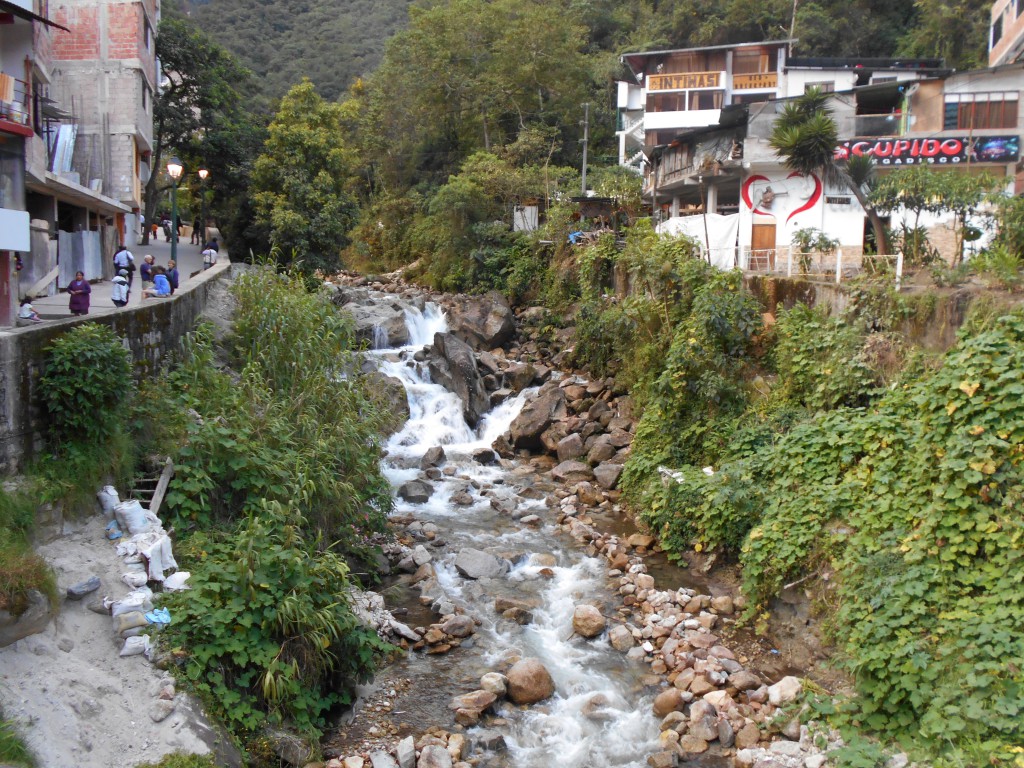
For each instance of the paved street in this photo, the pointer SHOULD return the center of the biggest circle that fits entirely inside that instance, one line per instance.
(190, 261)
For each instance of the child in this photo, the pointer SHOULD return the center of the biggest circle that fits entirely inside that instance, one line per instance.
(27, 313)
(119, 290)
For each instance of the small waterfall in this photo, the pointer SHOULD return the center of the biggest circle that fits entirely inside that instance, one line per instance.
(380, 337)
(600, 716)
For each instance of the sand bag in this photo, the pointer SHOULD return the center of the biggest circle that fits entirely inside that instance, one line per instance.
(129, 620)
(135, 578)
(135, 646)
(108, 499)
(137, 600)
(176, 581)
(160, 558)
(133, 518)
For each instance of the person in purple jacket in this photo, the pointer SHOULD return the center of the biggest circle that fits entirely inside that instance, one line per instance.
(79, 291)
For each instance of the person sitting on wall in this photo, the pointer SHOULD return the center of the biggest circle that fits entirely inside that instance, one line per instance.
(172, 274)
(27, 314)
(146, 271)
(161, 285)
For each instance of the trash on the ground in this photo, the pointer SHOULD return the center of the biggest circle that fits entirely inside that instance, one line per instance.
(113, 532)
(159, 616)
(176, 581)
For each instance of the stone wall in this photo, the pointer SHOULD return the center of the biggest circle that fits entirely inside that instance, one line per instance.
(150, 331)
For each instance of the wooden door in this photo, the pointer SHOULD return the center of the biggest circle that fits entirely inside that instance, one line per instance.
(762, 247)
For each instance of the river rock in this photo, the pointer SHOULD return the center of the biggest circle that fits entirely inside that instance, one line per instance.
(382, 760)
(722, 604)
(529, 682)
(288, 746)
(416, 491)
(83, 588)
(483, 322)
(434, 756)
(391, 392)
(380, 322)
(747, 736)
(693, 744)
(744, 680)
(669, 700)
(519, 376)
(434, 457)
(663, 759)
(571, 472)
(453, 365)
(536, 416)
(587, 621)
(476, 564)
(495, 682)
(459, 626)
(601, 450)
(621, 638)
(570, 447)
(588, 494)
(478, 700)
(32, 620)
(405, 752)
(785, 691)
(485, 456)
(489, 740)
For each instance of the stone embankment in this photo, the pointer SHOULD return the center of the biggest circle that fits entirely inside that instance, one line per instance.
(572, 435)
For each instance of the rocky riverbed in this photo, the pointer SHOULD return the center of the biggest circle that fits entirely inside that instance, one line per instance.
(534, 500)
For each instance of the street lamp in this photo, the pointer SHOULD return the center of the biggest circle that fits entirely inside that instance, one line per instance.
(203, 173)
(174, 170)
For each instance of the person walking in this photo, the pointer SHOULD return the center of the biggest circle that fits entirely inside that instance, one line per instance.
(197, 232)
(124, 259)
(119, 290)
(79, 291)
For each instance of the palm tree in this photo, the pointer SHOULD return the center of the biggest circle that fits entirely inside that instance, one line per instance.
(805, 137)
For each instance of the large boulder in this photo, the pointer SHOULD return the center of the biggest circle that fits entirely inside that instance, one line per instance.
(483, 322)
(30, 621)
(547, 406)
(476, 564)
(416, 491)
(434, 756)
(452, 364)
(390, 392)
(379, 323)
(608, 475)
(572, 472)
(529, 682)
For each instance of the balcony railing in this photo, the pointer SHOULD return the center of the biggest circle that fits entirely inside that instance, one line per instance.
(14, 106)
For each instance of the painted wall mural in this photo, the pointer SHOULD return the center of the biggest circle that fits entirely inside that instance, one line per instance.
(781, 198)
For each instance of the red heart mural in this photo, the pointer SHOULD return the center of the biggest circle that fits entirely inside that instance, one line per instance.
(745, 192)
(814, 198)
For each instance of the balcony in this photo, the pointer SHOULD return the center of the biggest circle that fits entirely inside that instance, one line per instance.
(15, 115)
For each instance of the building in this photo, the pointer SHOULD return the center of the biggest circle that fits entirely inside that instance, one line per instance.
(1006, 33)
(51, 223)
(106, 71)
(750, 205)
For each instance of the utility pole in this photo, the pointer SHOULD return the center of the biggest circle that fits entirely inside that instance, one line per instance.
(584, 140)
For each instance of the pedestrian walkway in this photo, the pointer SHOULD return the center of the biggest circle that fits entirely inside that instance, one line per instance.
(190, 262)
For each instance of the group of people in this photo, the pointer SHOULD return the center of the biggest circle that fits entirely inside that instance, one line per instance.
(157, 281)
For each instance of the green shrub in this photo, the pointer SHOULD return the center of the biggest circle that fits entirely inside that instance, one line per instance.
(1002, 267)
(14, 751)
(182, 760)
(21, 569)
(86, 376)
(266, 625)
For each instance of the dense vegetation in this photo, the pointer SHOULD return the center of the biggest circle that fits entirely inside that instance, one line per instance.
(277, 492)
(823, 450)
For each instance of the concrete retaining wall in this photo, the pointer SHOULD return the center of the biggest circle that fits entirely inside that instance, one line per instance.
(150, 331)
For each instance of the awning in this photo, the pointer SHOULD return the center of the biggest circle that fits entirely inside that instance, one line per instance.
(69, 192)
(24, 13)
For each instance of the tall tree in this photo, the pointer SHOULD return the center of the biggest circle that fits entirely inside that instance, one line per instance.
(805, 137)
(200, 88)
(302, 180)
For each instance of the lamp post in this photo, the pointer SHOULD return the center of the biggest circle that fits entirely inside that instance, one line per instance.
(174, 170)
(203, 173)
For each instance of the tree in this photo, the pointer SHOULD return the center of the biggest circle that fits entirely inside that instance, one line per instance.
(301, 180)
(805, 137)
(923, 189)
(201, 86)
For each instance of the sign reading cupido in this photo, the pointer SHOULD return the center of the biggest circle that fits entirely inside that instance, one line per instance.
(950, 150)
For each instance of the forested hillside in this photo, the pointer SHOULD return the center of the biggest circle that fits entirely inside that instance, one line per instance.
(337, 41)
(281, 41)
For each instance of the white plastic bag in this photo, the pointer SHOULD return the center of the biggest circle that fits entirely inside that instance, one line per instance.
(176, 581)
(160, 558)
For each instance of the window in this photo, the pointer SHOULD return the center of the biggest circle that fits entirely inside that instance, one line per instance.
(145, 97)
(12, 173)
(666, 102)
(997, 31)
(825, 86)
(970, 111)
(705, 99)
(750, 98)
(148, 34)
(752, 62)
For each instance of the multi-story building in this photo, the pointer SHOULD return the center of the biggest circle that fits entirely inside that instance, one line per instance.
(106, 68)
(1006, 33)
(54, 220)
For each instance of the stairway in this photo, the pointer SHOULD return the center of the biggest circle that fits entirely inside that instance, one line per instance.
(149, 490)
